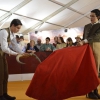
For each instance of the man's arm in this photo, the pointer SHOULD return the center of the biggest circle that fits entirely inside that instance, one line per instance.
(15, 46)
(4, 44)
(85, 40)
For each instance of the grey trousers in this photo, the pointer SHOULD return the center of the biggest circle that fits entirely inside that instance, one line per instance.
(3, 73)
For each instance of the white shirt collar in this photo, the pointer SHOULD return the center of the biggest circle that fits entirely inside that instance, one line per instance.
(95, 23)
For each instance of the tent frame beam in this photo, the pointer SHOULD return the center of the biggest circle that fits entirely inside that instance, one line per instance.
(14, 9)
(50, 16)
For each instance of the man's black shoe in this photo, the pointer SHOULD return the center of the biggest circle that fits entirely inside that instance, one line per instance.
(91, 95)
(96, 93)
(8, 97)
(2, 98)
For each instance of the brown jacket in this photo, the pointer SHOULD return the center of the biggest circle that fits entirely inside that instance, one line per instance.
(92, 32)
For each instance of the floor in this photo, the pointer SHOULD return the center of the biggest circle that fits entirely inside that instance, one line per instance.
(18, 89)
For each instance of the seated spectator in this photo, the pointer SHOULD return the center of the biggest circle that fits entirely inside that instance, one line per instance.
(69, 42)
(39, 44)
(78, 39)
(22, 44)
(47, 46)
(55, 41)
(17, 39)
(31, 48)
(21, 38)
(61, 44)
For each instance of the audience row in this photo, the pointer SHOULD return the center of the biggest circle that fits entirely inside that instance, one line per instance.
(47, 46)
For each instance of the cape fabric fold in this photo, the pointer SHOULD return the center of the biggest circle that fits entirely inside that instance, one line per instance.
(65, 73)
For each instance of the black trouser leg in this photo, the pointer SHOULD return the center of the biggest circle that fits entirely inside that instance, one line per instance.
(5, 82)
(3, 74)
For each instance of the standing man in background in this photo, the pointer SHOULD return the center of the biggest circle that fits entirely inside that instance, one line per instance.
(6, 37)
(91, 35)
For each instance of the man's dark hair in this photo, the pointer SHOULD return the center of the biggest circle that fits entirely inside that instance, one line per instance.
(17, 36)
(21, 37)
(15, 22)
(97, 12)
(48, 38)
(69, 39)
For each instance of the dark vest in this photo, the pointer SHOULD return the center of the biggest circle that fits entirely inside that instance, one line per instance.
(92, 32)
(8, 38)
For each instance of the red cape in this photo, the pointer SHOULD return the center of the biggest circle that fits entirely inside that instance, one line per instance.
(65, 73)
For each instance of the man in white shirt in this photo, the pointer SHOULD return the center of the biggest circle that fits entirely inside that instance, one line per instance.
(91, 35)
(6, 37)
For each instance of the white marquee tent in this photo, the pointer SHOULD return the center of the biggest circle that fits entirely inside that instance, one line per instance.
(47, 14)
(44, 15)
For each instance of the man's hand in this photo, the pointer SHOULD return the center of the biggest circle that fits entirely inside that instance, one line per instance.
(29, 50)
(80, 43)
(33, 51)
(24, 55)
(48, 49)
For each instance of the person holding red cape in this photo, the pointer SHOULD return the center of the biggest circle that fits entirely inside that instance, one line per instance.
(67, 72)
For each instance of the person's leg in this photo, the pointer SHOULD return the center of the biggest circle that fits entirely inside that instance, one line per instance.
(1, 76)
(96, 48)
(96, 52)
(5, 82)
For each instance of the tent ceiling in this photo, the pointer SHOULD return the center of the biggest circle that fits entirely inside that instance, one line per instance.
(40, 14)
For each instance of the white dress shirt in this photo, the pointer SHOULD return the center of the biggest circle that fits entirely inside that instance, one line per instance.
(4, 44)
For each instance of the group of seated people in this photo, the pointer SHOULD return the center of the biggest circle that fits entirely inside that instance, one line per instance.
(47, 46)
